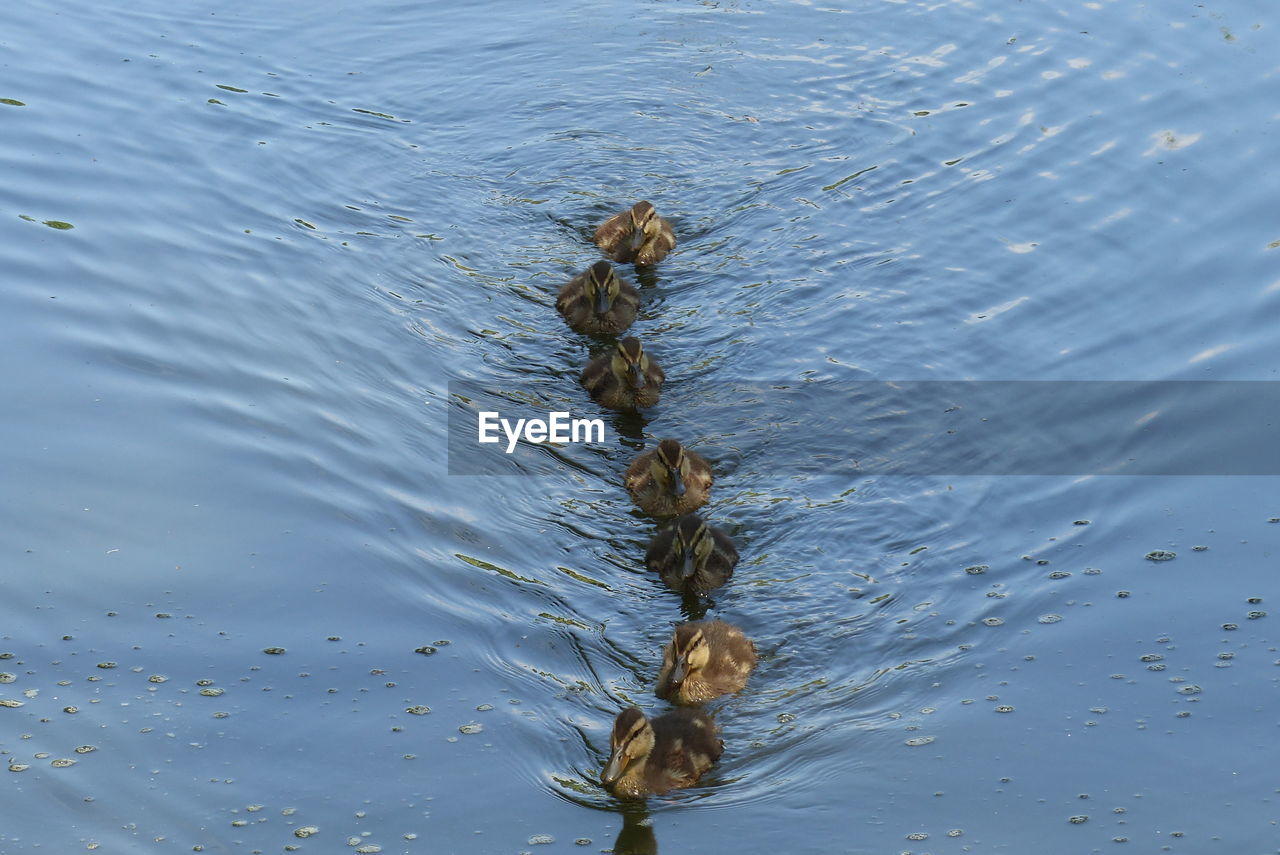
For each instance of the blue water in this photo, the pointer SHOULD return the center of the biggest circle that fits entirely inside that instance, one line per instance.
(293, 226)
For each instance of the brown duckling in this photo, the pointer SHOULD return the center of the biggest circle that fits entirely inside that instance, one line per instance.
(598, 301)
(637, 235)
(626, 379)
(691, 556)
(669, 480)
(705, 659)
(656, 755)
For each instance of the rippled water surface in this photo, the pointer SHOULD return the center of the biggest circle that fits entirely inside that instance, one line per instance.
(244, 250)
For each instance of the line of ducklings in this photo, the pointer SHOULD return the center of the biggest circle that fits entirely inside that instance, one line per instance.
(704, 659)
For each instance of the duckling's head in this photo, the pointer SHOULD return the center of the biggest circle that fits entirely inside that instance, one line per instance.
(630, 743)
(630, 363)
(670, 465)
(601, 286)
(692, 543)
(689, 653)
(645, 224)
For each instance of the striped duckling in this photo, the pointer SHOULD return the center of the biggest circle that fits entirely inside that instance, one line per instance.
(637, 235)
(691, 556)
(669, 480)
(704, 660)
(625, 379)
(598, 301)
(670, 752)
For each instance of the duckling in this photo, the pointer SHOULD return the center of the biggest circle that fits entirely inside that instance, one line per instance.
(626, 379)
(598, 301)
(656, 755)
(705, 659)
(636, 235)
(691, 556)
(669, 480)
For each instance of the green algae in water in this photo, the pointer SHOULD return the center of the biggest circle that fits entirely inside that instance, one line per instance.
(53, 224)
(375, 113)
(12, 102)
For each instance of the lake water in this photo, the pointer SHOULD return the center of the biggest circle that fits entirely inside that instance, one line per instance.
(245, 251)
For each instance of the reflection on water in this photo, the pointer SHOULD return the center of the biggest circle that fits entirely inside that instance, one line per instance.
(295, 227)
(636, 837)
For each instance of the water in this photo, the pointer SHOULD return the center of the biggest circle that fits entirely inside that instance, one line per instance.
(228, 398)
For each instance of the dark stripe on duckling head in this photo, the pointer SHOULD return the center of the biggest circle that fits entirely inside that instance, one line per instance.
(686, 639)
(690, 532)
(601, 287)
(671, 455)
(629, 723)
(628, 729)
(633, 361)
(641, 214)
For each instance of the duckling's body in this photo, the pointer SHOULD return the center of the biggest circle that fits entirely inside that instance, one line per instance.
(669, 480)
(625, 379)
(704, 660)
(691, 556)
(637, 235)
(598, 301)
(660, 754)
